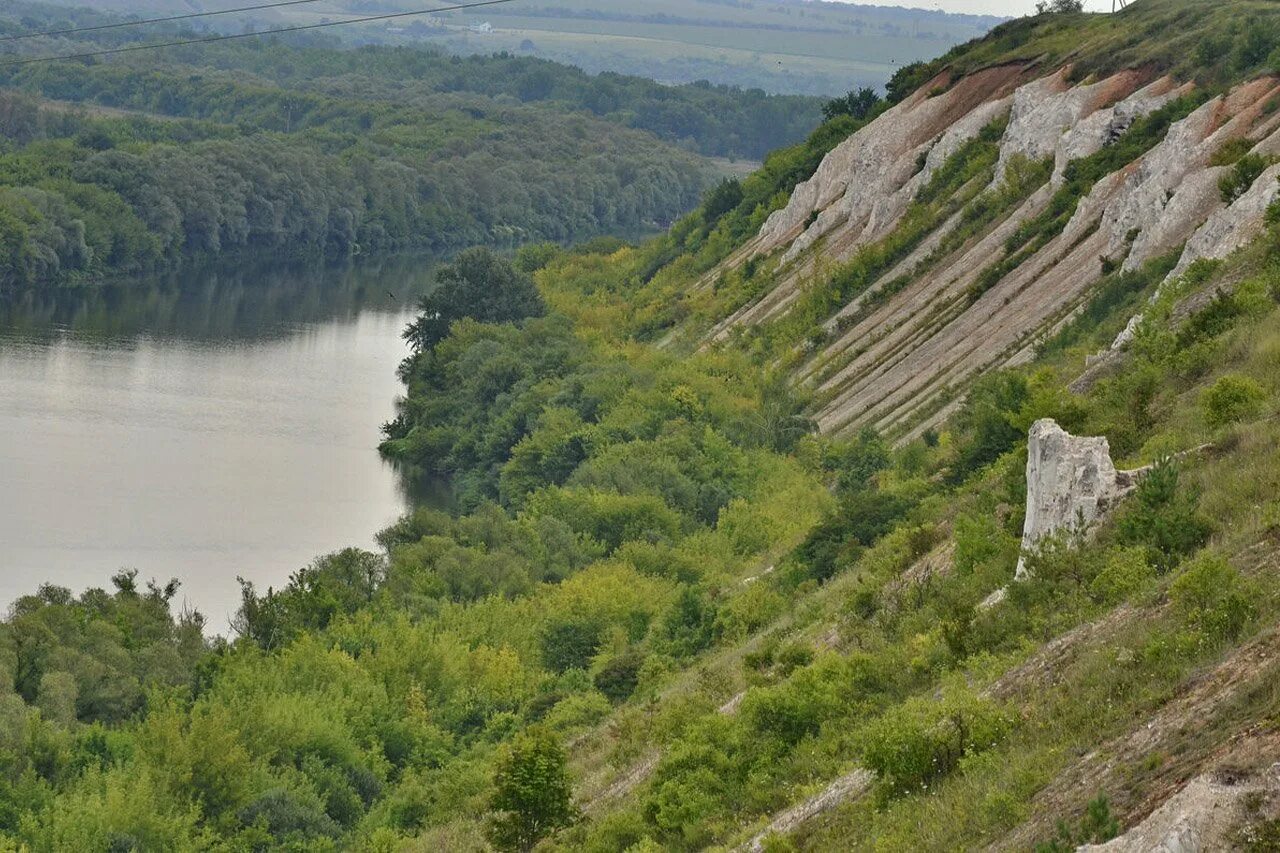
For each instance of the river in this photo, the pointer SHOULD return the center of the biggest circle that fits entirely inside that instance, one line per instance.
(202, 426)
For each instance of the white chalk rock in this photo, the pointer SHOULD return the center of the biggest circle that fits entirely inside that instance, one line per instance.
(1225, 231)
(1232, 227)
(1071, 483)
(1103, 127)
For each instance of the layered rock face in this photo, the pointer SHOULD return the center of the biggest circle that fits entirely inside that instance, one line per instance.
(900, 359)
(1225, 231)
(1071, 484)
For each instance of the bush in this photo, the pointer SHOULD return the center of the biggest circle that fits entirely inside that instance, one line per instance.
(1097, 826)
(532, 791)
(863, 517)
(1232, 399)
(618, 678)
(1124, 574)
(288, 817)
(1230, 152)
(979, 540)
(1242, 175)
(985, 424)
(1163, 518)
(570, 644)
(920, 741)
(1059, 7)
(1214, 599)
(859, 103)
(478, 284)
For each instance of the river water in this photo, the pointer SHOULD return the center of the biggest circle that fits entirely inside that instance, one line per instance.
(204, 426)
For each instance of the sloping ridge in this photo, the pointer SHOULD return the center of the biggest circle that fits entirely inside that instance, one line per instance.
(900, 361)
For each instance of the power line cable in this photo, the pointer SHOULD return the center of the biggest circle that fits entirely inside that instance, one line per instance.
(138, 23)
(229, 36)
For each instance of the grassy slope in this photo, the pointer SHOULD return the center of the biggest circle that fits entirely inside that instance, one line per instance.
(1145, 648)
(1159, 404)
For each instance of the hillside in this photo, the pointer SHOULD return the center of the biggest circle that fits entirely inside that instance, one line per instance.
(916, 492)
(784, 46)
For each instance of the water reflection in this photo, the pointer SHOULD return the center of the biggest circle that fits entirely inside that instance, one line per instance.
(246, 302)
(201, 426)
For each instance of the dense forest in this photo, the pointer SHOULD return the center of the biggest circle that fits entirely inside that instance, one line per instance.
(250, 147)
(88, 195)
(667, 609)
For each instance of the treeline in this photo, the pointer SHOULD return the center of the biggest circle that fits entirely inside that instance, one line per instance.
(722, 121)
(85, 195)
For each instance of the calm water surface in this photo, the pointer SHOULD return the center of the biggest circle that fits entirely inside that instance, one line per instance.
(210, 425)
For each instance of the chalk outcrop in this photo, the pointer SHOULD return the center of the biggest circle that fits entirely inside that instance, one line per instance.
(1099, 129)
(901, 352)
(1225, 231)
(1071, 484)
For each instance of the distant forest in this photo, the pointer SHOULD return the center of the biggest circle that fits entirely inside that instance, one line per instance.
(148, 161)
(781, 46)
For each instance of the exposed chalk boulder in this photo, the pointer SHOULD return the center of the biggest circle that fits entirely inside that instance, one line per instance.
(1147, 189)
(887, 210)
(1071, 484)
(1126, 336)
(1051, 119)
(1183, 210)
(1207, 814)
(884, 181)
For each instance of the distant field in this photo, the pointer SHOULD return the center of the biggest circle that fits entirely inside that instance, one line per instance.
(777, 45)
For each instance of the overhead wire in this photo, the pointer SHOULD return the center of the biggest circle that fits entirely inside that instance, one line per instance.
(296, 28)
(117, 25)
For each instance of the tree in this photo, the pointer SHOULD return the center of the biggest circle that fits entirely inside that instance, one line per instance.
(723, 198)
(858, 103)
(532, 791)
(1163, 518)
(1232, 399)
(478, 284)
(570, 644)
(1059, 7)
(779, 421)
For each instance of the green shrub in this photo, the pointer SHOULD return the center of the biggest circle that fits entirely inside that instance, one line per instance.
(984, 425)
(570, 644)
(1097, 826)
(862, 518)
(979, 540)
(915, 744)
(532, 791)
(1232, 399)
(618, 678)
(1125, 572)
(1214, 599)
(1230, 152)
(1242, 175)
(1163, 518)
